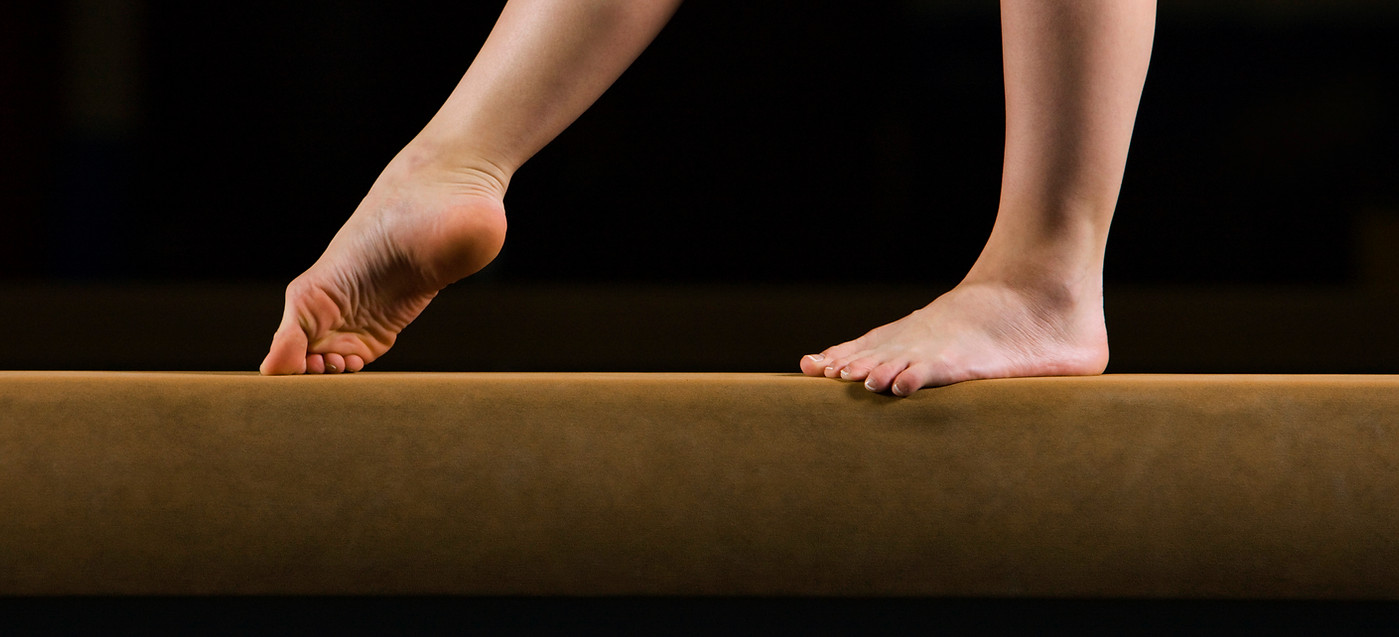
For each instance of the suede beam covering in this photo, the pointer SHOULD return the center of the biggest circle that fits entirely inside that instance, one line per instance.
(1170, 486)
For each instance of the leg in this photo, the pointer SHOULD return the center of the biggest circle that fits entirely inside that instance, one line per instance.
(1032, 303)
(436, 214)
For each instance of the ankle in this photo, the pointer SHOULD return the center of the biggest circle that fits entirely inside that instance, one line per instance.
(1049, 280)
(1065, 260)
(1037, 273)
(464, 169)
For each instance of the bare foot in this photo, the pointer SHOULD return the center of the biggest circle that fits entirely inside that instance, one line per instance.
(977, 330)
(423, 225)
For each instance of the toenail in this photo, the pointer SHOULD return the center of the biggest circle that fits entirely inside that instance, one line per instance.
(845, 374)
(331, 367)
(898, 391)
(869, 384)
(816, 358)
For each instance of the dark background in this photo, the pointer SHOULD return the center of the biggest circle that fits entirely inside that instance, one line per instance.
(166, 140)
(170, 165)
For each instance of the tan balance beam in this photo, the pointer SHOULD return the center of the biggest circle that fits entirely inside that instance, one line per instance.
(712, 484)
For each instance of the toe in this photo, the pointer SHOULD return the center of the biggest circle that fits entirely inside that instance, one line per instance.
(829, 362)
(354, 363)
(919, 376)
(814, 364)
(288, 352)
(334, 363)
(881, 378)
(858, 369)
(315, 364)
(836, 367)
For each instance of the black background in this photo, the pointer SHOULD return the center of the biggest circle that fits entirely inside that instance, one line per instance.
(805, 142)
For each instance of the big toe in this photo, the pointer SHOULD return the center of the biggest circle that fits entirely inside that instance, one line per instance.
(288, 352)
(818, 364)
(814, 364)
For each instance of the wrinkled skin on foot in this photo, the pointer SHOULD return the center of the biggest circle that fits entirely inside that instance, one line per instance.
(977, 330)
(420, 228)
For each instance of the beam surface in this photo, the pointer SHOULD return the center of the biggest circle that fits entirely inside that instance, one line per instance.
(1119, 486)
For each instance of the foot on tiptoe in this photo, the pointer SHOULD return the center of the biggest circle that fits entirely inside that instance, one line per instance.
(423, 225)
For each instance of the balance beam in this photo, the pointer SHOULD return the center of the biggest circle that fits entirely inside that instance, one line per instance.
(1120, 486)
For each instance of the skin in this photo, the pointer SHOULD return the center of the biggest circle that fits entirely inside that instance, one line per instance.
(436, 213)
(1031, 305)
